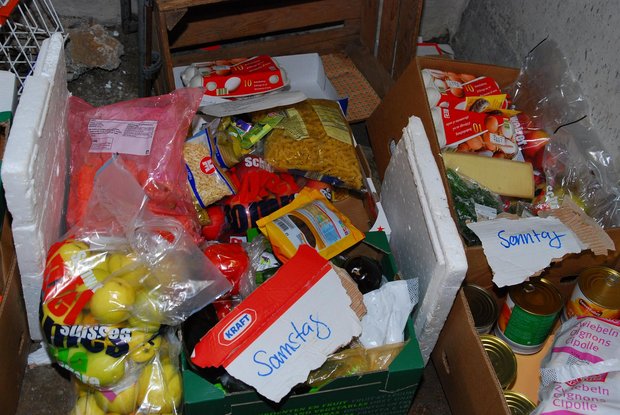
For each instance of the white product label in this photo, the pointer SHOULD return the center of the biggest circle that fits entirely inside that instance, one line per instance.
(485, 212)
(125, 137)
(299, 341)
(517, 249)
(497, 139)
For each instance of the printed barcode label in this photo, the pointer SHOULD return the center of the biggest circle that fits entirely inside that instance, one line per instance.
(292, 232)
(485, 212)
(282, 223)
(125, 137)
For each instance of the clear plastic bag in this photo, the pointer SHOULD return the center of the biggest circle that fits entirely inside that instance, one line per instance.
(118, 276)
(355, 360)
(576, 165)
(148, 135)
(156, 389)
(471, 203)
(575, 161)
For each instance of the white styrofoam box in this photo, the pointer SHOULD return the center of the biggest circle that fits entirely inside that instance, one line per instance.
(8, 93)
(424, 239)
(305, 73)
(34, 169)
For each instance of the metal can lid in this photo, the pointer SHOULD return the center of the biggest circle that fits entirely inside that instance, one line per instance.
(502, 358)
(601, 285)
(483, 307)
(518, 403)
(537, 296)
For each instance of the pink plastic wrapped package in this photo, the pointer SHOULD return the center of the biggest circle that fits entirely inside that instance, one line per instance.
(148, 135)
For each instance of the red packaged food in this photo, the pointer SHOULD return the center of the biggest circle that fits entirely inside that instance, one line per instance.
(488, 134)
(231, 260)
(449, 89)
(260, 191)
(236, 77)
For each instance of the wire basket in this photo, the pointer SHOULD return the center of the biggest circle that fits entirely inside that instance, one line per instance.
(24, 25)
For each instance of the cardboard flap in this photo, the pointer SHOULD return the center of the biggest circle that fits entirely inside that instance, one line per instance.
(463, 367)
(244, 324)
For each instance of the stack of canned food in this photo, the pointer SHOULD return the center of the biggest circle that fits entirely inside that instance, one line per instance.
(528, 315)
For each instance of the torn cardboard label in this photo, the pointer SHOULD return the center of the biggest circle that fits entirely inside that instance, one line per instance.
(518, 249)
(284, 329)
(587, 230)
(522, 248)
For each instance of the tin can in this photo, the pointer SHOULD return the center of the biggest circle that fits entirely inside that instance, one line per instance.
(483, 307)
(528, 315)
(518, 403)
(597, 294)
(502, 359)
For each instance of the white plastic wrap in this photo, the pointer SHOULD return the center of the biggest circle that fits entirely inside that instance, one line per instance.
(387, 311)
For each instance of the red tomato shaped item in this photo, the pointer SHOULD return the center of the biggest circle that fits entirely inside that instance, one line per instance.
(231, 260)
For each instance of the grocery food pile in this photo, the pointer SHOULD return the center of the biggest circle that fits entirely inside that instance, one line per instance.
(180, 220)
(525, 151)
(531, 156)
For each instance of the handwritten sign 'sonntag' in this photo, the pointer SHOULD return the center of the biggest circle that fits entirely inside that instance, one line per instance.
(518, 249)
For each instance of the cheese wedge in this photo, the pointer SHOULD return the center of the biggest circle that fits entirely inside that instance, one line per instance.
(504, 177)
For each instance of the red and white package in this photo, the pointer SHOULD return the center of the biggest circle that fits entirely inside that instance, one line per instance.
(287, 327)
(488, 134)
(239, 77)
(449, 89)
(581, 373)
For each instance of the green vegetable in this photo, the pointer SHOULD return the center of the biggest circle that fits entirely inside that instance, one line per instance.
(465, 195)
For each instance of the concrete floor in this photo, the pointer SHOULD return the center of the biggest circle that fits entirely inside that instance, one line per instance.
(46, 390)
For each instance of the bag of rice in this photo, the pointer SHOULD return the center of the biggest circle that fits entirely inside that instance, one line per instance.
(207, 181)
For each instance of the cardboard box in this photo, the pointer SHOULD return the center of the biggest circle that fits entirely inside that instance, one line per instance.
(389, 392)
(14, 338)
(385, 129)
(463, 367)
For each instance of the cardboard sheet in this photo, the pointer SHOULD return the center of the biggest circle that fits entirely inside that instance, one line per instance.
(285, 328)
(518, 249)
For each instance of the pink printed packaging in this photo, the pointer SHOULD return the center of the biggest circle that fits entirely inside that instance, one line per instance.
(581, 373)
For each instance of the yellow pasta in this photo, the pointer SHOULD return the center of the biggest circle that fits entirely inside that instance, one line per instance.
(321, 145)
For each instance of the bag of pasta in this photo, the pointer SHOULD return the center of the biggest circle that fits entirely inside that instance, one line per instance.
(314, 140)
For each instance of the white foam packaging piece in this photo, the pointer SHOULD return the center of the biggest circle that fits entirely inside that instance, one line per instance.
(424, 238)
(34, 170)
